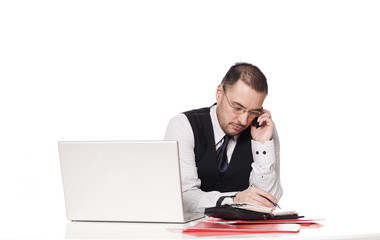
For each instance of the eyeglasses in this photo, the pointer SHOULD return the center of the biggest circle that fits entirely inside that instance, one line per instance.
(240, 110)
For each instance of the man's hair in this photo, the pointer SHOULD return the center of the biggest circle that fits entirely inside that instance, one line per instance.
(249, 74)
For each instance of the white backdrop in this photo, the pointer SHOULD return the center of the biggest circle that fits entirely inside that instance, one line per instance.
(119, 70)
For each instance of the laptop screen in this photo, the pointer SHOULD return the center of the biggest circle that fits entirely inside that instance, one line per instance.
(135, 181)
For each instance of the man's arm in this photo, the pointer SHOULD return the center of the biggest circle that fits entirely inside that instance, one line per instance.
(266, 150)
(266, 167)
(265, 175)
(195, 200)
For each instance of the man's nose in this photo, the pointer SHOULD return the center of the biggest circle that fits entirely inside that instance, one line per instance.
(243, 118)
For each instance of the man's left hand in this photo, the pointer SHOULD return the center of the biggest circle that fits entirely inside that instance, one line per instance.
(263, 133)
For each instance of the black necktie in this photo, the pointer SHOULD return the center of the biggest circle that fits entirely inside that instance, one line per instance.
(221, 155)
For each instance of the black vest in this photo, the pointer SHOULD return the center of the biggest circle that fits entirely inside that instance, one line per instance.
(236, 178)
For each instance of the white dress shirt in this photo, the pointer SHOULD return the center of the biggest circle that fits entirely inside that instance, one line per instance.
(265, 168)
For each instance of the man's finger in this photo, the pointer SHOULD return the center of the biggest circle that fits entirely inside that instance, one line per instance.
(263, 201)
(265, 195)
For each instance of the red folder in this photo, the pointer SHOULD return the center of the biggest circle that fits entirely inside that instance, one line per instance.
(282, 221)
(243, 228)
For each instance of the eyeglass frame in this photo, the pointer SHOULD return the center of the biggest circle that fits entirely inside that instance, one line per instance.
(240, 110)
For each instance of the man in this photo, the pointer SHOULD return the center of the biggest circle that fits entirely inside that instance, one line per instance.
(223, 156)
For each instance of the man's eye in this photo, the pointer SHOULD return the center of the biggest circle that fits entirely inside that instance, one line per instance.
(238, 108)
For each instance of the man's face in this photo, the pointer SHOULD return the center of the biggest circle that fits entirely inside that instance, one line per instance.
(239, 95)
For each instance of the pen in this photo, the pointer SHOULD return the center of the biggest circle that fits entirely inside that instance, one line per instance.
(274, 204)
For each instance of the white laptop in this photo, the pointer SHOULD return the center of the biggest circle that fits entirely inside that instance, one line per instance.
(134, 181)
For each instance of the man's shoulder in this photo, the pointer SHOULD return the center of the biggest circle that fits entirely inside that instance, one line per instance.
(198, 111)
(184, 119)
(179, 118)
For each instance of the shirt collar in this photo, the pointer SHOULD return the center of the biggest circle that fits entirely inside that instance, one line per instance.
(218, 132)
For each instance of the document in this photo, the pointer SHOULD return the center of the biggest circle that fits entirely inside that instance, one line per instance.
(257, 208)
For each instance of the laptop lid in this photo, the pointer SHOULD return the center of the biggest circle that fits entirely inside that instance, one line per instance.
(136, 181)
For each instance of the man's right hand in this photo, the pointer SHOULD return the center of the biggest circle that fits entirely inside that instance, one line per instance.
(256, 196)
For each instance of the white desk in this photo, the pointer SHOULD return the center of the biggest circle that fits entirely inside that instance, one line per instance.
(56, 227)
(330, 229)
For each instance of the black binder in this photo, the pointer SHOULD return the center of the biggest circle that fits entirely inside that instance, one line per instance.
(235, 212)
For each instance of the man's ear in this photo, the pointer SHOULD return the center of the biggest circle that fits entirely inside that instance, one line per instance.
(219, 93)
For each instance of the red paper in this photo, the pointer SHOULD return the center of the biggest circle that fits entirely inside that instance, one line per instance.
(213, 234)
(243, 228)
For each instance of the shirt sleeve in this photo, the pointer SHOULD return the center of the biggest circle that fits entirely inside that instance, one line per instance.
(266, 166)
(195, 200)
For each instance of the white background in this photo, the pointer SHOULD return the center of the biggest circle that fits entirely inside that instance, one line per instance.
(119, 70)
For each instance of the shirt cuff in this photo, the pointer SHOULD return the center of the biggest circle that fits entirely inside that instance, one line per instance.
(227, 200)
(263, 154)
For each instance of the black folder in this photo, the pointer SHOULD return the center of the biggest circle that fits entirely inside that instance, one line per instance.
(239, 212)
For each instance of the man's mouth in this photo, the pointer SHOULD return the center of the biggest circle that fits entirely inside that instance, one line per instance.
(237, 127)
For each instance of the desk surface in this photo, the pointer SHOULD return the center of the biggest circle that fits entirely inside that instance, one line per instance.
(331, 228)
